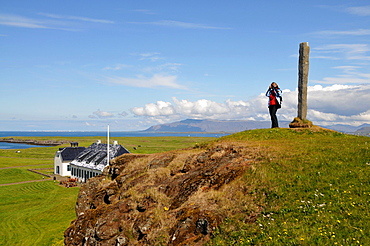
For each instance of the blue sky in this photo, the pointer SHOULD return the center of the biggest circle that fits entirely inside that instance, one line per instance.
(80, 65)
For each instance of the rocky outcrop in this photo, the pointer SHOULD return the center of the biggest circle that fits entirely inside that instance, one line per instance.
(299, 123)
(174, 198)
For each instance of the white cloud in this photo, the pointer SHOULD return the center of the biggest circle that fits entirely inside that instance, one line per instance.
(117, 67)
(79, 18)
(357, 32)
(330, 104)
(151, 56)
(187, 25)
(155, 109)
(349, 75)
(361, 11)
(157, 80)
(62, 23)
(346, 51)
(19, 21)
(200, 108)
(162, 68)
(101, 114)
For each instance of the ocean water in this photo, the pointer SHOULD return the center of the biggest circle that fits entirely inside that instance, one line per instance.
(4, 145)
(4, 134)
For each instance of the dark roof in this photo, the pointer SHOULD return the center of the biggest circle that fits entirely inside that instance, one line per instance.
(95, 156)
(70, 153)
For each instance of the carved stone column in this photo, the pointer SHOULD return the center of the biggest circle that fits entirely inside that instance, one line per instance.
(303, 68)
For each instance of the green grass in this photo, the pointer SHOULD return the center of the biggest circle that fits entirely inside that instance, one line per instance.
(314, 189)
(13, 175)
(35, 213)
(38, 213)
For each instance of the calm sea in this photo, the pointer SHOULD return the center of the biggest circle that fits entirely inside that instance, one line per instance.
(4, 134)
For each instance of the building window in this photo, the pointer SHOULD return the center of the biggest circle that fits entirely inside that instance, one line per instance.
(57, 171)
(68, 167)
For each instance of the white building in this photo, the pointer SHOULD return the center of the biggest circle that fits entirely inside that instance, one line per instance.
(93, 160)
(63, 158)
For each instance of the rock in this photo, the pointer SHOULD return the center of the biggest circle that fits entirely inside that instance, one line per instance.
(299, 123)
(158, 199)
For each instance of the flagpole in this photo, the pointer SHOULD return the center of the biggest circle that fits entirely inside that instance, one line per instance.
(108, 146)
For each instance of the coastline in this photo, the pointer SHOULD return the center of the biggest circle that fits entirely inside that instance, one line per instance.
(33, 142)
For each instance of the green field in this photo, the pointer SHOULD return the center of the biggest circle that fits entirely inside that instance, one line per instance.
(38, 213)
(35, 213)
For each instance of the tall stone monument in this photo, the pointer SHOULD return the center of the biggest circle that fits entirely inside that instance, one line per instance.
(303, 68)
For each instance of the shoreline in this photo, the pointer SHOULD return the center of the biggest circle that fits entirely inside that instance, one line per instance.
(34, 142)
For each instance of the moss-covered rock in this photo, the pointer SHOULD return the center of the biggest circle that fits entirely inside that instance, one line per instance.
(299, 123)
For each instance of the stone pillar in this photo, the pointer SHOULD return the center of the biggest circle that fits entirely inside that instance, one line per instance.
(303, 67)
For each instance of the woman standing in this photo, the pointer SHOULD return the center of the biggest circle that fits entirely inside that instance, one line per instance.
(273, 93)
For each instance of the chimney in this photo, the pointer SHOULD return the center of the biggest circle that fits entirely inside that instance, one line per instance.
(74, 144)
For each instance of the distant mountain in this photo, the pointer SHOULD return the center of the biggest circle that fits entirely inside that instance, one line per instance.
(364, 131)
(359, 130)
(231, 126)
(342, 128)
(192, 125)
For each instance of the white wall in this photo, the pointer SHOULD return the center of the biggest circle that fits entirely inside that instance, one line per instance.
(61, 166)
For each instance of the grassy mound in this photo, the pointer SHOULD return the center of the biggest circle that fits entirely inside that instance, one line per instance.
(313, 186)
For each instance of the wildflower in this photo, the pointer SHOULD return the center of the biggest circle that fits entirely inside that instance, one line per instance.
(338, 221)
(302, 238)
(166, 208)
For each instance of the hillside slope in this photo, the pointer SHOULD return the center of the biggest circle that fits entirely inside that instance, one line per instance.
(264, 187)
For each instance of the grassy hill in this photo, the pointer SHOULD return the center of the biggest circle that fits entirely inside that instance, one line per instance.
(305, 187)
(298, 187)
(313, 186)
